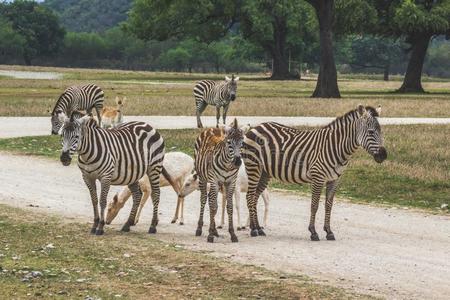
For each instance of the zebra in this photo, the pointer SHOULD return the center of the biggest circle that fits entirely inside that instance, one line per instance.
(118, 156)
(215, 93)
(76, 98)
(217, 159)
(318, 157)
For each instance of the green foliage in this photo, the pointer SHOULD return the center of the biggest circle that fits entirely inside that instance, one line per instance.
(11, 43)
(38, 25)
(90, 15)
(354, 16)
(161, 19)
(438, 60)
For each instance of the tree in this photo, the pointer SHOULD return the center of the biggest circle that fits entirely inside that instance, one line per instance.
(38, 25)
(418, 21)
(11, 43)
(337, 17)
(281, 28)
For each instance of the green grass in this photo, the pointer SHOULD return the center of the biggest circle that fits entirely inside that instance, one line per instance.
(416, 173)
(160, 93)
(74, 265)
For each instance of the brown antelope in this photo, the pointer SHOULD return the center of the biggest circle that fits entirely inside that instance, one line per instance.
(111, 117)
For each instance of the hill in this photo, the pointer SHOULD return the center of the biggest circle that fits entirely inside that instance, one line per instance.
(90, 15)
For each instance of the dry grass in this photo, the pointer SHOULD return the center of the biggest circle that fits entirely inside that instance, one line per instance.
(127, 266)
(157, 93)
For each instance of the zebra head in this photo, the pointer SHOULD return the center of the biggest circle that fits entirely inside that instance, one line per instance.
(231, 86)
(369, 134)
(58, 117)
(234, 137)
(70, 136)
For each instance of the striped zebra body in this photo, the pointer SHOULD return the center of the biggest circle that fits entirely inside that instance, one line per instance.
(218, 94)
(76, 98)
(318, 157)
(119, 156)
(217, 160)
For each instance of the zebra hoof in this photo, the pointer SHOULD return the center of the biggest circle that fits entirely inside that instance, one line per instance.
(234, 239)
(261, 232)
(330, 237)
(181, 223)
(99, 232)
(93, 230)
(220, 227)
(173, 221)
(239, 228)
(152, 230)
(315, 237)
(198, 232)
(210, 239)
(125, 228)
(254, 233)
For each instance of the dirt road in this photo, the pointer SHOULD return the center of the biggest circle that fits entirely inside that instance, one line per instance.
(394, 253)
(32, 126)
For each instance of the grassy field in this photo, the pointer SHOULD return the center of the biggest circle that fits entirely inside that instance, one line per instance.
(45, 257)
(157, 93)
(416, 173)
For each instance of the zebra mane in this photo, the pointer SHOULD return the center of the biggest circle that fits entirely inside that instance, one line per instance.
(58, 102)
(352, 115)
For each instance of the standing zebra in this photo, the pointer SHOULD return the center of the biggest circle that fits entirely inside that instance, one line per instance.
(118, 156)
(76, 98)
(217, 160)
(315, 156)
(215, 93)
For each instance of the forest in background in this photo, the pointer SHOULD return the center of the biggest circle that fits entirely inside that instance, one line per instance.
(280, 38)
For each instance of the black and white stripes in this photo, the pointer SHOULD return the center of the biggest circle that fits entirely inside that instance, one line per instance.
(217, 160)
(319, 157)
(76, 98)
(218, 94)
(119, 156)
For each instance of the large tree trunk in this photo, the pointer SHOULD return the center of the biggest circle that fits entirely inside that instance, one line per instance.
(412, 83)
(327, 86)
(280, 70)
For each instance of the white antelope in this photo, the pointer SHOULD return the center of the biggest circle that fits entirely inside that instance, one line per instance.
(192, 183)
(111, 117)
(178, 165)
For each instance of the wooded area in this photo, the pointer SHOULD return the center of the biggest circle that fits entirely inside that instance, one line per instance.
(283, 38)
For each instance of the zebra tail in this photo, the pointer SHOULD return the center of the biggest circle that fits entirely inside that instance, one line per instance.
(168, 177)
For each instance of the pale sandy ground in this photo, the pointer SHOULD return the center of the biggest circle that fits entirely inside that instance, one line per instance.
(33, 126)
(388, 252)
(30, 74)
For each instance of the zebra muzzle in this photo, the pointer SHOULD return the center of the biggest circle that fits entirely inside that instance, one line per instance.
(232, 97)
(237, 162)
(65, 158)
(381, 155)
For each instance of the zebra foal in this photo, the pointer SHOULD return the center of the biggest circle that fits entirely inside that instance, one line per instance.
(217, 159)
(118, 156)
(76, 98)
(218, 94)
(318, 157)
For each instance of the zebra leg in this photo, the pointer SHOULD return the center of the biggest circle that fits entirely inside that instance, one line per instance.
(105, 184)
(229, 190)
(217, 115)
(222, 219)
(262, 185)
(254, 175)
(212, 201)
(154, 176)
(225, 111)
(203, 196)
(137, 196)
(200, 108)
(316, 189)
(99, 116)
(331, 190)
(90, 183)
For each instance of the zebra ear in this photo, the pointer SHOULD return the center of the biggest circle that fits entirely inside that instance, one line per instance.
(61, 116)
(227, 78)
(236, 79)
(245, 128)
(361, 110)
